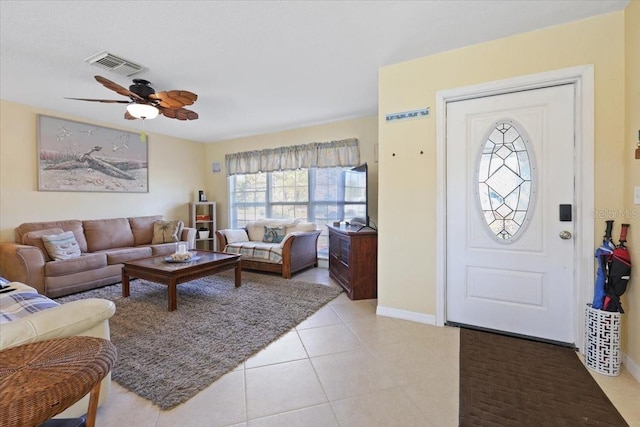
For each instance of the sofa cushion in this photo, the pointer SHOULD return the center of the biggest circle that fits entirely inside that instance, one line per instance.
(236, 235)
(20, 304)
(34, 238)
(108, 233)
(120, 255)
(72, 225)
(255, 229)
(61, 246)
(163, 249)
(84, 262)
(268, 252)
(273, 234)
(166, 231)
(302, 227)
(142, 228)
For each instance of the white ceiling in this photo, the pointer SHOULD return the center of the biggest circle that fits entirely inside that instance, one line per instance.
(257, 66)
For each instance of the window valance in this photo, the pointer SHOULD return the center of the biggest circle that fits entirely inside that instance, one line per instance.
(344, 153)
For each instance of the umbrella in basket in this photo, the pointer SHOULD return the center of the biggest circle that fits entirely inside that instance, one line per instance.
(603, 254)
(619, 274)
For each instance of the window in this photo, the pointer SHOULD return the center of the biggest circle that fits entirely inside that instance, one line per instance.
(321, 195)
(505, 181)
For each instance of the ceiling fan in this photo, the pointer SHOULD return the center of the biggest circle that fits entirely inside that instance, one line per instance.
(146, 103)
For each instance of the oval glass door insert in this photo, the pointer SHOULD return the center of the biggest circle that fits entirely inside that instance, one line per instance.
(505, 172)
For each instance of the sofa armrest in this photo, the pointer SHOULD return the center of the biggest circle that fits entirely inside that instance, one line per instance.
(222, 240)
(83, 317)
(23, 263)
(299, 249)
(189, 236)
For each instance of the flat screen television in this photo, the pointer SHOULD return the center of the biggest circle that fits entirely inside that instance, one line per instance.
(356, 200)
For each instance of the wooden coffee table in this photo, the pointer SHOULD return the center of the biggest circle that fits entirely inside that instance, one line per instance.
(157, 269)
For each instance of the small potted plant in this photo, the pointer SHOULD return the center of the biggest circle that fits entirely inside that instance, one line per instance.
(203, 232)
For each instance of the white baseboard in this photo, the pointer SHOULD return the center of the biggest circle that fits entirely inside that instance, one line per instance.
(631, 366)
(406, 315)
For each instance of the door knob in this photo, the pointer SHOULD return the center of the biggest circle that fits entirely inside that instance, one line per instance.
(565, 235)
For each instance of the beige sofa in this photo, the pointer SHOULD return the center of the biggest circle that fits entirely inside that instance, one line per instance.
(104, 244)
(25, 319)
(289, 245)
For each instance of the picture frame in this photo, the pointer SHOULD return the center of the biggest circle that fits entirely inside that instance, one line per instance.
(76, 156)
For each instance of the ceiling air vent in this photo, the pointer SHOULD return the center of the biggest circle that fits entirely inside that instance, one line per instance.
(110, 62)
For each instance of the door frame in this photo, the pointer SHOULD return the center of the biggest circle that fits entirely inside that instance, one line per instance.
(582, 79)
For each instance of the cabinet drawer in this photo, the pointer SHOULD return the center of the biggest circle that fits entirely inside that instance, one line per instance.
(340, 271)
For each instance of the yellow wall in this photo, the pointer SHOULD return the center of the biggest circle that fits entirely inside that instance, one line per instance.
(365, 129)
(176, 171)
(631, 299)
(409, 283)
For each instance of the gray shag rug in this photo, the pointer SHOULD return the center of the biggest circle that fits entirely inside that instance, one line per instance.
(168, 357)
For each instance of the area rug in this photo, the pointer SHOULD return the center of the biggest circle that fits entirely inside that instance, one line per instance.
(168, 357)
(506, 381)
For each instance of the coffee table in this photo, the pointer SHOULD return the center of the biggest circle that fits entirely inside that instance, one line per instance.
(157, 269)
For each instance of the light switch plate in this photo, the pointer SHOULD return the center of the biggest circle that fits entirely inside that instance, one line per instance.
(636, 195)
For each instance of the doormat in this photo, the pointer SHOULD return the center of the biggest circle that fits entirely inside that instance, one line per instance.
(509, 381)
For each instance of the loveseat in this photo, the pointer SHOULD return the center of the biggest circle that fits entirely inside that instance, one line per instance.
(273, 245)
(27, 317)
(57, 263)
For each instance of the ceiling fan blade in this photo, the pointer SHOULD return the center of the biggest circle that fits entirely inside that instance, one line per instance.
(112, 101)
(117, 88)
(175, 98)
(179, 113)
(129, 116)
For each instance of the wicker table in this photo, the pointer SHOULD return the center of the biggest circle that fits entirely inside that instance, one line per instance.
(42, 379)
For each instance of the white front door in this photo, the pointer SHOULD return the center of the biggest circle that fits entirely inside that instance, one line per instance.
(510, 252)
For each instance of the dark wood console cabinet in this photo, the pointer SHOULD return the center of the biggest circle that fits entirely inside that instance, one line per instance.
(353, 260)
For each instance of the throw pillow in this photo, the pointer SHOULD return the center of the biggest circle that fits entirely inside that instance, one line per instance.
(236, 236)
(273, 234)
(61, 246)
(166, 231)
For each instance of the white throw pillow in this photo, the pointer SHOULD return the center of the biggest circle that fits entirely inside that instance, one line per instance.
(61, 246)
(236, 236)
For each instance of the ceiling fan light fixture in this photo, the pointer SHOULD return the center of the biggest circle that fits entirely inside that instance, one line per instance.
(143, 111)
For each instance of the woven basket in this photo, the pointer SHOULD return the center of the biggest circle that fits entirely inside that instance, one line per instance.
(40, 380)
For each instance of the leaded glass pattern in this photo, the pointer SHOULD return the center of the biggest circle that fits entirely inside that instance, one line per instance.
(505, 180)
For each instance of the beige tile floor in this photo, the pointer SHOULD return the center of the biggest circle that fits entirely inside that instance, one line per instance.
(343, 366)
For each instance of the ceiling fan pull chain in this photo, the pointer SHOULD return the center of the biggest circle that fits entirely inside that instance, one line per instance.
(143, 135)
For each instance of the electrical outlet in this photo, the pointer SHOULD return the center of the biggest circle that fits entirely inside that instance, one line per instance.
(636, 196)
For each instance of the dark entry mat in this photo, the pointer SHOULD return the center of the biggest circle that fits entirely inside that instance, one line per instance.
(507, 381)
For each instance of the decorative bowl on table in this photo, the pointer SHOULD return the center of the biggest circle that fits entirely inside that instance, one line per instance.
(181, 257)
